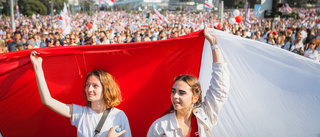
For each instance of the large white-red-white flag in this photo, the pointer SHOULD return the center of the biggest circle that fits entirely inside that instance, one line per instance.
(65, 21)
(159, 15)
(248, 14)
(289, 10)
(208, 5)
(301, 15)
(248, 22)
(273, 91)
(109, 2)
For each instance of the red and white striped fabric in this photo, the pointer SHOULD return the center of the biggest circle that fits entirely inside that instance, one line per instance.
(301, 15)
(248, 14)
(248, 22)
(262, 101)
(144, 26)
(289, 10)
(208, 5)
(158, 14)
(65, 21)
(110, 2)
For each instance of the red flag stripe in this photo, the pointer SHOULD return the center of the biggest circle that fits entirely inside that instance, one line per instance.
(144, 72)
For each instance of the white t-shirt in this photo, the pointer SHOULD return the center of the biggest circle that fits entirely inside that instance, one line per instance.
(312, 55)
(86, 121)
(304, 36)
(299, 45)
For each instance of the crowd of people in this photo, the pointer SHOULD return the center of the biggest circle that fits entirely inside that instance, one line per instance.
(301, 36)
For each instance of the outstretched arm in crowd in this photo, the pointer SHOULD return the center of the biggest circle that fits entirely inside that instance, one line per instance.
(57, 106)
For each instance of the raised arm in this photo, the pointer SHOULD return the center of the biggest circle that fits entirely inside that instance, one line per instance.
(216, 53)
(57, 106)
(218, 91)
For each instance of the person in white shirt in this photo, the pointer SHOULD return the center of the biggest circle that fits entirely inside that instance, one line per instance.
(188, 114)
(259, 38)
(101, 92)
(312, 53)
(297, 43)
(318, 35)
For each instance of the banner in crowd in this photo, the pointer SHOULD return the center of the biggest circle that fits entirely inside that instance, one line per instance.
(159, 15)
(208, 5)
(257, 10)
(289, 10)
(109, 2)
(273, 92)
(65, 21)
(248, 22)
(144, 26)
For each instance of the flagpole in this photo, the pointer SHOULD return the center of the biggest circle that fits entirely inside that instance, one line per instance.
(12, 15)
(221, 11)
(272, 24)
(51, 13)
(98, 8)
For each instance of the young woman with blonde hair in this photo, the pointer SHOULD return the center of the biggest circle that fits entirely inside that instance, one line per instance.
(101, 92)
(189, 115)
(280, 41)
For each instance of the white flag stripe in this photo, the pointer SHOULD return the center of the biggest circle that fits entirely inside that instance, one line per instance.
(273, 92)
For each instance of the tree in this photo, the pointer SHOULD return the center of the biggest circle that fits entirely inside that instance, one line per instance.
(239, 3)
(29, 7)
(2, 2)
(87, 5)
(57, 4)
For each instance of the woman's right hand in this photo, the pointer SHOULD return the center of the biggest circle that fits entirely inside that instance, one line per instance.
(35, 59)
(114, 133)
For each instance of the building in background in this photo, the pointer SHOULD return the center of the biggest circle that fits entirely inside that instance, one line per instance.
(148, 4)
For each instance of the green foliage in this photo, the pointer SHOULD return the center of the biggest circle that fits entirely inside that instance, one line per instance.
(6, 8)
(29, 7)
(57, 4)
(89, 12)
(239, 3)
(4, 16)
(292, 15)
(299, 3)
(87, 5)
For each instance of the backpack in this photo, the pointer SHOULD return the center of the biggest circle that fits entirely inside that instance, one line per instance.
(298, 51)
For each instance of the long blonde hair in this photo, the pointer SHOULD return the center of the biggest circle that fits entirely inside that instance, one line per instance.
(194, 83)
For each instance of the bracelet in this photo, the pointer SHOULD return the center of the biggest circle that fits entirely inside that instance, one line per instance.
(214, 46)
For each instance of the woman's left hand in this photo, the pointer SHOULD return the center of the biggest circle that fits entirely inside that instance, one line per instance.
(209, 36)
(114, 133)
